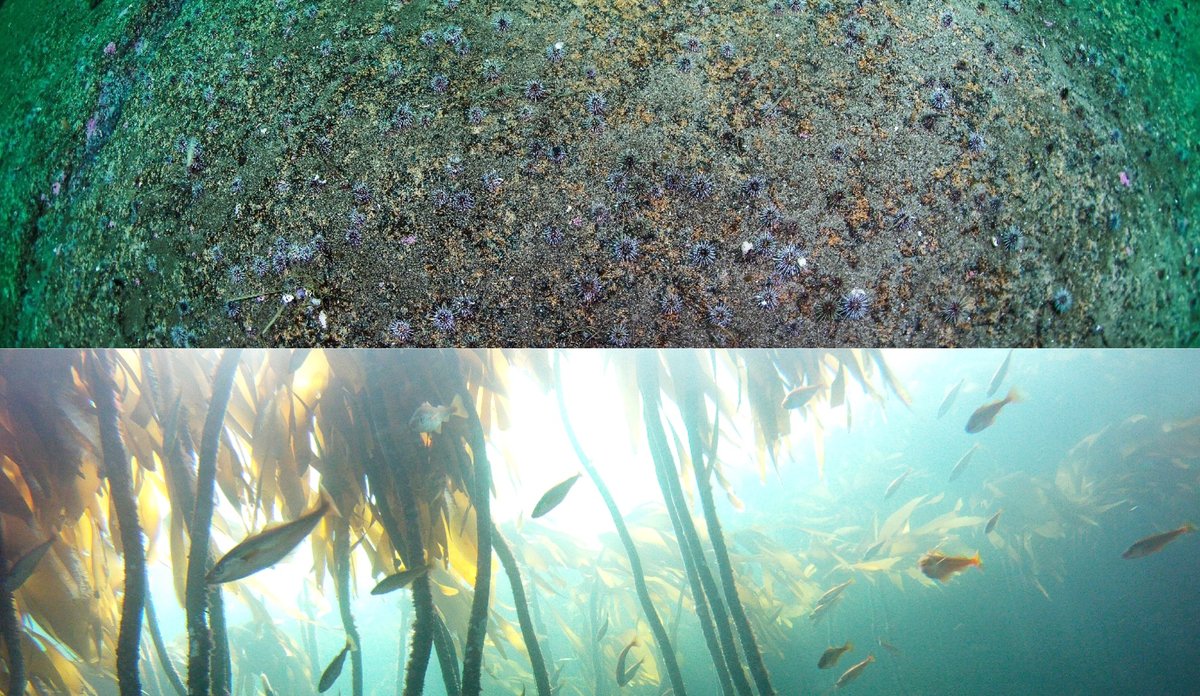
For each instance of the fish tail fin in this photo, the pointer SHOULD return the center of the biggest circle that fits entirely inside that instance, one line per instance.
(457, 408)
(1014, 396)
(976, 562)
(1188, 527)
(849, 646)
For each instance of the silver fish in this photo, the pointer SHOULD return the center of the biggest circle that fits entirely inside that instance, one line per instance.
(895, 484)
(397, 580)
(991, 524)
(962, 462)
(333, 671)
(951, 395)
(1001, 373)
(267, 547)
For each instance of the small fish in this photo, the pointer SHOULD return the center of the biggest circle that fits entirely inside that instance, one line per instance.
(895, 484)
(830, 657)
(962, 462)
(603, 630)
(551, 498)
(948, 400)
(267, 547)
(853, 673)
(1156, 542)
(800, 396)
(266, 684)
(23, 568)
(940, 567)
(429, 418)
(888, 646)
(991, 523)
(1001, 373)
(874, 549)
(985, 415)
(624, 676)
(832, 593)
(398, 580)
(820, 610)
(334, 670)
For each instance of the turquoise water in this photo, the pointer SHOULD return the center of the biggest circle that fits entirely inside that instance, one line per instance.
(182, 172)
(1099, 452)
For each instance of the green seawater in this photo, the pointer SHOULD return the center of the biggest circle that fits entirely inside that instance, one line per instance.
(202, 173)
(823, 537)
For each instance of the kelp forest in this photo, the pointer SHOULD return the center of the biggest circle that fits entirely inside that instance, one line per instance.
(114, 458)
(361, 522)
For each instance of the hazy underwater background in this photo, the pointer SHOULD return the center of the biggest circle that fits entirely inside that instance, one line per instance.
(577, 173)
(832, 474)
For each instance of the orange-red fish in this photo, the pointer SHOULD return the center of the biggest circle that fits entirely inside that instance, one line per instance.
(985, 415)
(940, 567)
(1156, 542)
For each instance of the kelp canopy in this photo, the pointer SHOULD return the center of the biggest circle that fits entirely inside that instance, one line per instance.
(121, 460)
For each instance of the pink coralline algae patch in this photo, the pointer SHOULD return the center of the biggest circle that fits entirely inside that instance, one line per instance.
(1124, 179)
(110, 49)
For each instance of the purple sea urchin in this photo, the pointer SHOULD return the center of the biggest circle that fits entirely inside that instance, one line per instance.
(940, 99)
(701, 186)
(443, 319)
(535, 90)
(702, 254)
(854, 305)
(625, 249)
(754, 187)
(596, 104)
(492, 181)
(671, 303)
(462, 201)
(400, 331)
(789, 259)
(720, 315)
(589, 288)
(1011, 239)
(954, 312)
(1062, 301)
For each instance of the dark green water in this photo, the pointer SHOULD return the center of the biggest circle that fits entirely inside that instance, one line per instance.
(223, 158)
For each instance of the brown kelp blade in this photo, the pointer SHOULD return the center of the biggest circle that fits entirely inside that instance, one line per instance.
(553, 497)
(23, 568)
